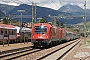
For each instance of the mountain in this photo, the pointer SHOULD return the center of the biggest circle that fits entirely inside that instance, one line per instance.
(13, 13)
(77, 11)
(73, 9)
(70, 8)
(6, 8)
(88, 11)
(40, 12)
(1, 13)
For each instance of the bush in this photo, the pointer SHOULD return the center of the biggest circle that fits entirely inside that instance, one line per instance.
(88, 41)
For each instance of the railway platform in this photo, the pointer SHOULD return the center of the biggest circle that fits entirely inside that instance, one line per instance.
(82, 52)
(14, 46)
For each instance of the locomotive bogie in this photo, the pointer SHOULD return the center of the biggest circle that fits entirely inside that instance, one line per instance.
(42, 42)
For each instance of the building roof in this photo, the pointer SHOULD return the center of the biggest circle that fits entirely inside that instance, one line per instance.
(5, 26)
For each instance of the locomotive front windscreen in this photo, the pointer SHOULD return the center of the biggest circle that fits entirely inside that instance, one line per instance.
(40, 29)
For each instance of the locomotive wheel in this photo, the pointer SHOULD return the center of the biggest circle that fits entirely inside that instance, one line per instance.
(51, 44)
(46, 46)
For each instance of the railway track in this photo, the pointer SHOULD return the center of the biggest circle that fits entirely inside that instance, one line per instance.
(16, 53)
(43, 54)
(13, 50)
(59, 53)
(30, 53)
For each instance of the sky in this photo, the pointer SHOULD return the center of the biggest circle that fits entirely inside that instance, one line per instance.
(54, 4)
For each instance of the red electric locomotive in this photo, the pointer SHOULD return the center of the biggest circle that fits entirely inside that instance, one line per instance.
(44, 34)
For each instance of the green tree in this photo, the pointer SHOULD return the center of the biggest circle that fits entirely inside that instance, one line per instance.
(5, 21)
(43, 20)
(61, 24)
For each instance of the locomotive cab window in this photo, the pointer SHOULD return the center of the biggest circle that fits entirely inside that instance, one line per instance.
(40, 29)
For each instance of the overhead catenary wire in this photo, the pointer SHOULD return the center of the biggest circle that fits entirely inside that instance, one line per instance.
(30, 1)
(20, 2)
(61, 3)
(5, 1)
(48, 11)
(54, 3)
(42, 10)
(16, 1)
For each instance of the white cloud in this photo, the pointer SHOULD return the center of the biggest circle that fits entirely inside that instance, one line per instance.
(14, 4)
(54, 4)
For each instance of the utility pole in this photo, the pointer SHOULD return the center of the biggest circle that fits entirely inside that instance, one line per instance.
(85, 22)
(54, 20)
(33, 13)
(20, 21)
(54, 17)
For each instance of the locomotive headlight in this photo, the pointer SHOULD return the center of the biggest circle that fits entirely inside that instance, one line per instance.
(42, 26)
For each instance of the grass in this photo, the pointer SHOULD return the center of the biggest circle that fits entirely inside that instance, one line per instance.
(88, 41)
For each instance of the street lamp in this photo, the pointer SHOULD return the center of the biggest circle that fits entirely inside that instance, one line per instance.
(20, 11)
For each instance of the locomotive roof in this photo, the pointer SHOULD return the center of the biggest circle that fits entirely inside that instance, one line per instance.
(46, 24)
